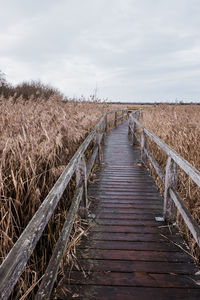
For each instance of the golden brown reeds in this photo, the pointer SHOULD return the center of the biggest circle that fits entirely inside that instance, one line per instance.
(37, 140)
(179, 127)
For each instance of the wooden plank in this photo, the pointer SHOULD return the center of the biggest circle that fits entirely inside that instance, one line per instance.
(95, 265)
(132, 237)
(162, 256)
(125, 211)
(127, 198)
(137, 279)
(130, 200)
(136, 205)
(130, 293)
(127, 216)
(127, 245)
(128, 222)
(124, 185)
(134, 201)
(135, 229)
(123, 190)
(142, 193)
(125, 177)
(136, 170)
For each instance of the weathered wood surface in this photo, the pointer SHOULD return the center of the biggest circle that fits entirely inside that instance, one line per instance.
(143, 147)
(155, 165)
(191, 223)
(127, 254)
(46, 286)
(171, 176)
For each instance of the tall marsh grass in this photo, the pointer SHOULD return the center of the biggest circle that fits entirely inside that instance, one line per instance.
(38, 137)
(179, 127)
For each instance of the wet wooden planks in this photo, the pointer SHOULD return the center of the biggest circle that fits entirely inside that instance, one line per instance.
(127, 254)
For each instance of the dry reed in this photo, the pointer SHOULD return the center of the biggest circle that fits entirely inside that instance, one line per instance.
(38, 138)
(179, 127)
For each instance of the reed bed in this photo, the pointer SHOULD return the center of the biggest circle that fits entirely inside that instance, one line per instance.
(179, 127)
(38, 137)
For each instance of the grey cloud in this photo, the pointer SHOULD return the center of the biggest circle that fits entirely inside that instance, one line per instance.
(132, 49)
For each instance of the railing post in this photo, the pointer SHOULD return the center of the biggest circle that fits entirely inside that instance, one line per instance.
(99, 154)
(122, 115)
(143, 146)
(106, 124)
(81, 178)
(134, 132)
(132, 129)
(171, 175)
(104, 129)
(130, 124)
(129, 127)
(115, 119)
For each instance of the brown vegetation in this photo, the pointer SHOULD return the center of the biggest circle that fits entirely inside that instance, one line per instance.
(38, 138)
(179, 127)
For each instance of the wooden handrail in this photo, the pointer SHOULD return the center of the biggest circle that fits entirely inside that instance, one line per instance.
(16, 260)
(181, 162)
(171, 197)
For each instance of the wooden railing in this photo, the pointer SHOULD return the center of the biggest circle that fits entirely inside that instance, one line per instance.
(16, 260)
(172, 199)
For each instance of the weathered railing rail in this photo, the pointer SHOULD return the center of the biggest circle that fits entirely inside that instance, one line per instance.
(172, 199)
(16, 260)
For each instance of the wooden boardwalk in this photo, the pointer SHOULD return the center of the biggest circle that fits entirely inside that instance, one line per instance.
(128, 254)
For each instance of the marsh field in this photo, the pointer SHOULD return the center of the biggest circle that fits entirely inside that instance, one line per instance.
(38, 139)
(179, 127)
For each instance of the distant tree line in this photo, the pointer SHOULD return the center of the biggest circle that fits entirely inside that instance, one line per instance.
(34, 89)
(157, 103)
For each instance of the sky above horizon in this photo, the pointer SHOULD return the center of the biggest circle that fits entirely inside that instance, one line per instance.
(122, 50)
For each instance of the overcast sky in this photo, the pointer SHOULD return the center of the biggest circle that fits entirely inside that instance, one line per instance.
(128, 50)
